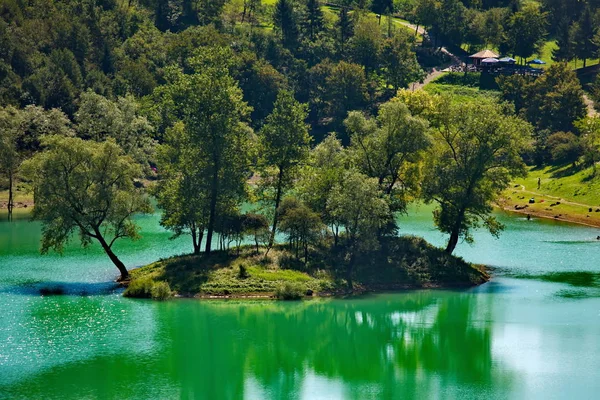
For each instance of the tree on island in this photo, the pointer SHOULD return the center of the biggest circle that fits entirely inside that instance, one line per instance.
(477, 152)
(390, 149)
(357, 203)
(181, 193)
(209, 103)
(87, 188)
(284, 146)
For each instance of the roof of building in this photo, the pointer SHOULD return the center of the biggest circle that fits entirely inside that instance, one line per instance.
(484, 54)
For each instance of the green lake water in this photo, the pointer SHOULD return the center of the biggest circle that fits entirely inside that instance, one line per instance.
(532, 332)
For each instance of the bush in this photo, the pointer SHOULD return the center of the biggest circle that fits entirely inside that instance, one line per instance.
(160, 291)
(243, 272)
(290, 291)
(564, 147)
(146, 288)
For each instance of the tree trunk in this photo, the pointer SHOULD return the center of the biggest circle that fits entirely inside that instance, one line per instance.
(452, 241)
(277, 201)
(118, 263)
(10, 204)
(305, 253)
(197, 234)
(256, 242)
(454, 235)
(213, 209)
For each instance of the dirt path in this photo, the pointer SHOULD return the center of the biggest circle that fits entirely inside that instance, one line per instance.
(435, 72)
(590, 105)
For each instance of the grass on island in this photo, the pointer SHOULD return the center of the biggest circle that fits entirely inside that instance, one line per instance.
(400, 263)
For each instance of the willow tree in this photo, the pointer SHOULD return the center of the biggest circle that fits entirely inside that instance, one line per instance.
(216, 137)
(477, 151)
(285, 145)
(85, 188)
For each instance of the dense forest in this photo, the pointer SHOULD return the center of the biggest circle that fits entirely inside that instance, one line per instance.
(299, 106)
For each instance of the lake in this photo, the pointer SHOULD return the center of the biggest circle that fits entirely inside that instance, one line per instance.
(532, 332)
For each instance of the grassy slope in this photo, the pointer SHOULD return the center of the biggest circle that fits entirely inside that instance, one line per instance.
(577, 192)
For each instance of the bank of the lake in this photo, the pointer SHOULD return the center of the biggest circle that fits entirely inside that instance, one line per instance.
(405, 262)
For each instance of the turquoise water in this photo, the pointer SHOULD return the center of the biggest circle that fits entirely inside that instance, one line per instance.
(526, 334)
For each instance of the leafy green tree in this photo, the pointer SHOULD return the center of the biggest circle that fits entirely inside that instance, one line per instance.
(285, 144)
(526, 33)
(494, 21)
(181, 193)
(21, 132)
(260, 82)
(389, 149)
(589, 132)
(400, 61)
(88, 188)
(584, 31)
(256, 225)
(301, 225)
(564, 147)
(324, 170)
(357, 203)
(553, 101)
(452, 21)
(565, 43)
(382, 6)
(426, 13)
(345, 30)
(10, 160)
(286, 23)
(209, 103)
(366, 43)
(477, 151)
(99, 118)
(313, 19)
(345, 89)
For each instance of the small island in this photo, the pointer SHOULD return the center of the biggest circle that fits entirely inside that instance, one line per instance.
(405, 262)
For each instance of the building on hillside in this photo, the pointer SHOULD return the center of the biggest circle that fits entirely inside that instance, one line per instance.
(477, 58)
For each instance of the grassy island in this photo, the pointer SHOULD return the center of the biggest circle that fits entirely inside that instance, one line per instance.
(400, 263)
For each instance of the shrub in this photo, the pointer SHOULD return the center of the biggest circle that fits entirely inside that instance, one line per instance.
(139, 288)
(290, 291)
(160, 291)
(564, 147)
(146, 288)
(243, 272)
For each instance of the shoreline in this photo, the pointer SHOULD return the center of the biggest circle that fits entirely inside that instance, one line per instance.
(551, 217)
(339, 295)
(551, 208)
